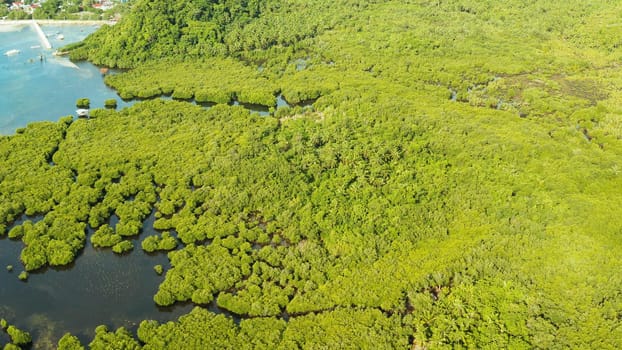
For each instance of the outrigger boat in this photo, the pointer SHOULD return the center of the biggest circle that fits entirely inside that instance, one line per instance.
(12, 52)
(82, 113)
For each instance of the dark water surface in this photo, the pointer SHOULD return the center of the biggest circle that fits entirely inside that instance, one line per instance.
(99, 288)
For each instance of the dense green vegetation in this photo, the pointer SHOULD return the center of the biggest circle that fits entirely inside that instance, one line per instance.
(110, 103)
(83, 103)
(213, 80)
(201, 329)
(164, 242)
(23, 275)
(17, 336)
(199, 28)
(456, 183)
(69, 342)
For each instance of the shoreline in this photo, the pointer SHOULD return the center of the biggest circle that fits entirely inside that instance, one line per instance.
(56, 22)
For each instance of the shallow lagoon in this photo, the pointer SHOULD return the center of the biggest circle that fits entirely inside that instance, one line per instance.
(99, 288)
(36, 85)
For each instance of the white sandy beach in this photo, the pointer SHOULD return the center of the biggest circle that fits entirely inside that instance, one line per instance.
(10, 26)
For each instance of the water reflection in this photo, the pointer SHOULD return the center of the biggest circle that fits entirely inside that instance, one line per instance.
(253, 108)
(100, 288)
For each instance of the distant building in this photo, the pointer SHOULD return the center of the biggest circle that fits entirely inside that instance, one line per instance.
(16, 6)
(103, 5)
(20, 6)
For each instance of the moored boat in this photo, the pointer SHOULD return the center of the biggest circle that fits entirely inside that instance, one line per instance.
(82, 113)
(12, 52)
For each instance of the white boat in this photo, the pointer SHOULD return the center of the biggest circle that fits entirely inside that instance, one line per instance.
(84, 113)
(60, 37)
(12, 52)
(35, 47)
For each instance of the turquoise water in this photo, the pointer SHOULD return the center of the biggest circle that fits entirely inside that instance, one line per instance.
(33, 89)
(35, 85)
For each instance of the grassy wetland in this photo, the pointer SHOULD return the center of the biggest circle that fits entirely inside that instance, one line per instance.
(446, 175)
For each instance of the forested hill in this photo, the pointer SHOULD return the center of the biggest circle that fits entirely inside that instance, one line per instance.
(192, 29)
(161, 28)
(448, 173)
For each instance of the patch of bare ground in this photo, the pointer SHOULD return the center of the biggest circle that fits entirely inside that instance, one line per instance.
(317, 116)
